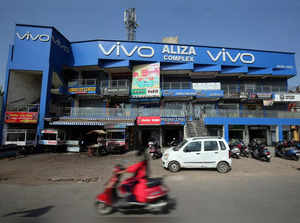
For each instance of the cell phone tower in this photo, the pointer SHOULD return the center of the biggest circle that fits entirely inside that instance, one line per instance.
(130, 22)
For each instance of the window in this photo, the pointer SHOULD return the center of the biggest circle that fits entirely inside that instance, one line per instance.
(193, 147)
(222, 145)
(211, 146)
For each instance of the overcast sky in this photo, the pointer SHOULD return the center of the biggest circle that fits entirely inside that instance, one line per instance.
(247, 24)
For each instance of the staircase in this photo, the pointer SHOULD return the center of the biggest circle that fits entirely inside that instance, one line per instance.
(195, 128)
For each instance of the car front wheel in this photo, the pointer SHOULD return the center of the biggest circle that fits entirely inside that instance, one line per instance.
(174, 166)
(223, 167)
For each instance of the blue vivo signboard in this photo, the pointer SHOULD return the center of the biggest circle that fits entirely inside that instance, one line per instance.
(199, 58)
(32, 49)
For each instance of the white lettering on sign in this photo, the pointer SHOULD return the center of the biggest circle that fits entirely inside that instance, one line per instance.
(30, 36)
(247, 58)
(179, 53)
(142, 51)
(181, 50)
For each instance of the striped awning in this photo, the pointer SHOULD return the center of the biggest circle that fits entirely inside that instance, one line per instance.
(76, 123)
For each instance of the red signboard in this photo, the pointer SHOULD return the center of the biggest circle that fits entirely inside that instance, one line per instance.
(21, 117)
(151, 120)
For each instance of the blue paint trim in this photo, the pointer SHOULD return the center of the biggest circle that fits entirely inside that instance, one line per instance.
(251, 121)
(280, 133)
(226, 132)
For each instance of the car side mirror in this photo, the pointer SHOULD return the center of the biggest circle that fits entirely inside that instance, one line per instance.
(187, 150)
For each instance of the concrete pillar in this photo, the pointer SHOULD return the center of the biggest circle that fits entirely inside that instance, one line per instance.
(279, 133)
(45, 98)
(226, 132)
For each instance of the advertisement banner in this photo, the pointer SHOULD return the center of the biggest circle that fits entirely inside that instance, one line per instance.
(209, 94)
(151, 120)
(21, 117)
(82, 90)
(179, 92)
(286, 97)
(145, 80)
(207, 86)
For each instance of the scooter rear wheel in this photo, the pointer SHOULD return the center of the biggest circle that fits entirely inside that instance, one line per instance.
(103, 209)
(295, 157)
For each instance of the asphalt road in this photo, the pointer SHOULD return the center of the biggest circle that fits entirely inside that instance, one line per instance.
(215, 198)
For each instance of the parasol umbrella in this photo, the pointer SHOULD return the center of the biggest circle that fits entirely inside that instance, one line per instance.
(99, 132)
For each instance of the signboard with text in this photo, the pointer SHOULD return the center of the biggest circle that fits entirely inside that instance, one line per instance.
(145, 80)
(82, 90)
(286, 97)
(21, 117)
(150, 120)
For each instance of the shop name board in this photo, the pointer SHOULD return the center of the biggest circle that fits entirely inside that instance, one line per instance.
(21, 117)
(287, 97)
(247, 58)
(178, 53)
(43, 38)
(30, 36)
(151, 120)
(142, 51)
(182, 93)
(82, 90)
(207, 86)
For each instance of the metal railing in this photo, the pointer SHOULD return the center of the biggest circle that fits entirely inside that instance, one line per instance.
(23, 108)
(176, 85)
(115, 87)
(235, 90)
(132, 113)
(82, 82)
(228, 113)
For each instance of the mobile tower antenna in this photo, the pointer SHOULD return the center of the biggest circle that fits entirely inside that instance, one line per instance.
(130, 22)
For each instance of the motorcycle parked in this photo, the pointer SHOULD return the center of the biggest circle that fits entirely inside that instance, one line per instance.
(235, 149)
(281, 150)
(154, 150)
(260, 152)
(109, 201)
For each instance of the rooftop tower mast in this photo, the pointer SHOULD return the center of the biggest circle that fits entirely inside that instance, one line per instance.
(130, 22)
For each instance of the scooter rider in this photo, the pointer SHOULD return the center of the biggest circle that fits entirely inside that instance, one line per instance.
(138, 182)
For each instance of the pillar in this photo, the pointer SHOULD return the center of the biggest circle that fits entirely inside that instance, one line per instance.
(279, 131)
(226, 132)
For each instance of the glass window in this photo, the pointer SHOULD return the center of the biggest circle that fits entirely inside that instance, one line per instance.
(193, 147)
(222, 145)
(180, 145)
(211, 146)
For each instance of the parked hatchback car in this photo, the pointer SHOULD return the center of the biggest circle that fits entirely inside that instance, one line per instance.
(198, 152)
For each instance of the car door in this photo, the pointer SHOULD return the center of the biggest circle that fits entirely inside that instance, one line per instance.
(191, 155)
(210, 153)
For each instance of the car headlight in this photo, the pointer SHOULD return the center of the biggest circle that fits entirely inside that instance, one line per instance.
(166, 155)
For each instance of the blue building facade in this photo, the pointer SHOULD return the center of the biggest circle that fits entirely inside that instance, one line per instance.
(156, 90)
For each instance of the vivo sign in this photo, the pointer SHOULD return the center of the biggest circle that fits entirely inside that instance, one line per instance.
(142, 51)
(247, 58)
(30, 36)
(43, 38)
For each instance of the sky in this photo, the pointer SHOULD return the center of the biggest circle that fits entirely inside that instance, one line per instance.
(248, 24)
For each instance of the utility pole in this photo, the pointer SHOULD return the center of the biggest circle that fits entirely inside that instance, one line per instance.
(130, 22)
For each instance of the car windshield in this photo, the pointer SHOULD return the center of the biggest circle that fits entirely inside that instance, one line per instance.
(176, 148)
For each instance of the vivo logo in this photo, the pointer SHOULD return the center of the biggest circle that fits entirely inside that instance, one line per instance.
(247, 58)
(142, 51)
(59, 44)
(30, 36)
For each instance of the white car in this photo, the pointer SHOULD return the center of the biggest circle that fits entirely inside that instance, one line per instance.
(198, 152)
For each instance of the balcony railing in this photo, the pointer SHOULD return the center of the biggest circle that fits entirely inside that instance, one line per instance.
(176, 85)
(115, 87)
(82, 82)
(130, 113)
(228, 113)
(23, 108)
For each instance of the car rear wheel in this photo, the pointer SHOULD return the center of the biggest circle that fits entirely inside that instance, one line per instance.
(223, 167)
(174, 166)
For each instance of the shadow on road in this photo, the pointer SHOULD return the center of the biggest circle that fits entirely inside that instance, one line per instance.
(33, 213)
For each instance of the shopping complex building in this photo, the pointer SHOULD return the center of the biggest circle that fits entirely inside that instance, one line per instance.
(144, 89)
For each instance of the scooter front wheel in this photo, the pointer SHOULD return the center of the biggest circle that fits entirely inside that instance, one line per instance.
(102, 208)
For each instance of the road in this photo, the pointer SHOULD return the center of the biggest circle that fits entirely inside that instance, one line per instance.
(215, 198)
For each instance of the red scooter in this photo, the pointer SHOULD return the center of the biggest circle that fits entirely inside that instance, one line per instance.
(156, 196)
